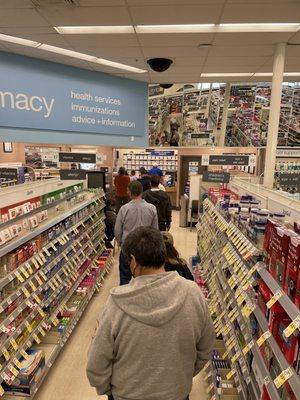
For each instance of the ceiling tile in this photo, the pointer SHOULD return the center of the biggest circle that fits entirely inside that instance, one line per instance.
(232, 51)
(171, 2)
(284, 11)
(65, 15)
(96, 41)
(178, 39)
(27, 30)
(171, 51)
(109, 52)
(102, 3)
(293, 51)
(235, 61)
(243, 39)
(189, 61)
(156, 78)
(182, 14)
(53, 39)
(15, 4)
(226, 68)
(20, 17)
(295, 38)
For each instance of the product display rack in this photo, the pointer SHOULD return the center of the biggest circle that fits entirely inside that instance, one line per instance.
(61, 275)
(231, 263)
(138, 160)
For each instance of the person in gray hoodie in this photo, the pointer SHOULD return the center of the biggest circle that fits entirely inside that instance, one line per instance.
(155, 333)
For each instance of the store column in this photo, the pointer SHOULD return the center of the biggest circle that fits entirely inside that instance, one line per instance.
(224, 115)
(278, 69)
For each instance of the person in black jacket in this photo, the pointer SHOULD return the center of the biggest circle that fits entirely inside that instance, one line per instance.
(145, 179)
(173, 261)
(161, 201)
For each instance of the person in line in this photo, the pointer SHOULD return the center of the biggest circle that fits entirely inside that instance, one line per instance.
(144, 179)
(132, 215)
(121, 183)
(154, 334)
(156, 171)
(173, 261)
(161, 201)
(133, 176)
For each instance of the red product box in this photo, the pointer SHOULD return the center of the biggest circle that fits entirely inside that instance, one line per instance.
(278, 253)
(269, 233)
(289, 346)
(292, 282)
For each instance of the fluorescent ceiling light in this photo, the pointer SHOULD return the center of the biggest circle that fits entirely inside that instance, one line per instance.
(76, 30)
(268, 27)
(92, 59)
(291, 74)
(17, 40)
(190, 28)
(225, 74)
(263, 74)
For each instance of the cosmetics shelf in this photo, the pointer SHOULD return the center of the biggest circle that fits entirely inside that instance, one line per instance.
(232, 266)
(44, 272)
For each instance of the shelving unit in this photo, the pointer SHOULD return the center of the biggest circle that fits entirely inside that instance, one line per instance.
(137, 160)
(232, 266)
(45, 292)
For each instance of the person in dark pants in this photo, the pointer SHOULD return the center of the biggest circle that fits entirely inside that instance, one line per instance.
(132, 215)
(161, 200)
(121, 183)
(155, 333)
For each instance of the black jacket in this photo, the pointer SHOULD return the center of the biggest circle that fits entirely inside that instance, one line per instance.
(161, 201)
(182, 269)
(146, 182)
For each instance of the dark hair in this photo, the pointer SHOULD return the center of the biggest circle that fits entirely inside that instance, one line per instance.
(143, 171)
(146, 244)
(132, 172)
(171, 252)
(155, 180)
(135, 188)
(122, 171)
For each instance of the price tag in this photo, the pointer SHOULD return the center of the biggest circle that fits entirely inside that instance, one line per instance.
(292, 327)
(5, 353)
(66, 237)
(41, 330)
(263, 338)
(17, 363)
(40, 282)
(55, 321)
(40, 261)
(248, 347)
(24, 354)
(25, 291)
(206, 365)
(53, 247)
(46, 251)
(79, 244)
(51, 284)
(19, 277)
(28, 326)
(41, 312)
(253, 269)
(13, 370)
(274, 298)
(31, 284)
(66, 257)
(235, 357)
(61, 241)
(43, 257)
(37, 299)
(43, 275)
(248, 309)
(14, 344)
(25, 273)
(283, 377)
(35, 263)
(1, 390)
(230, 374)
(36, 338)
(210, 388)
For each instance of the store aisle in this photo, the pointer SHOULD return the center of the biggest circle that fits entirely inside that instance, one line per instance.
(67, 379)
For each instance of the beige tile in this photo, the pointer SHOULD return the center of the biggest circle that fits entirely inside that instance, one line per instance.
(66, 379)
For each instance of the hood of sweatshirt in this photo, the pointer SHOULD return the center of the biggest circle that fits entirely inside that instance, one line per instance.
(155, 196)
(153, 299)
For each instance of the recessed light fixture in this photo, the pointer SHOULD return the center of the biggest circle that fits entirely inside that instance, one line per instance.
(17, 40)
(92, 30)
(291, 74)
(70, 53)
(225, 74)
(188, 28)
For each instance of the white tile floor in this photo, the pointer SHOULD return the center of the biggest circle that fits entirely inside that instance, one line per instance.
(67, 379)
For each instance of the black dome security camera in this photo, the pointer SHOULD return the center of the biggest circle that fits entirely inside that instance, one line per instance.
(166, 85)
(159, 64)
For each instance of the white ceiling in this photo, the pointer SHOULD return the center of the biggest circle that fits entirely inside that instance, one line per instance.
(229, 52)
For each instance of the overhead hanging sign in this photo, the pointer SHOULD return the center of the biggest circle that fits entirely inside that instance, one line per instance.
(288, 153)
(9, 173)
(88, 158)
(292, 179)
(72, 174)
(218, 177)
(248, 160)
(37, 94)
(204, 135)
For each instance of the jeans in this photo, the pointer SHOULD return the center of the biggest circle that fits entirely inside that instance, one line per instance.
(125, 273)
(120, 201)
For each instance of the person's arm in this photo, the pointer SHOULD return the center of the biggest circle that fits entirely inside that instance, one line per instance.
(206, 343)
(100, 356)
(155, 219)
(169, 212)
(119, 226)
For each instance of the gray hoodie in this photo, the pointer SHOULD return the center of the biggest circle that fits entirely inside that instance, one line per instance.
(154, 335)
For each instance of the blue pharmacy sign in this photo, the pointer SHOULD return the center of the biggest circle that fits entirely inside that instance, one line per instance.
(41, 95)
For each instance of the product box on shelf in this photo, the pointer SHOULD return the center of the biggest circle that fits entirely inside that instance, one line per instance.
(292, 282)
(29, 375)
(289, 346)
